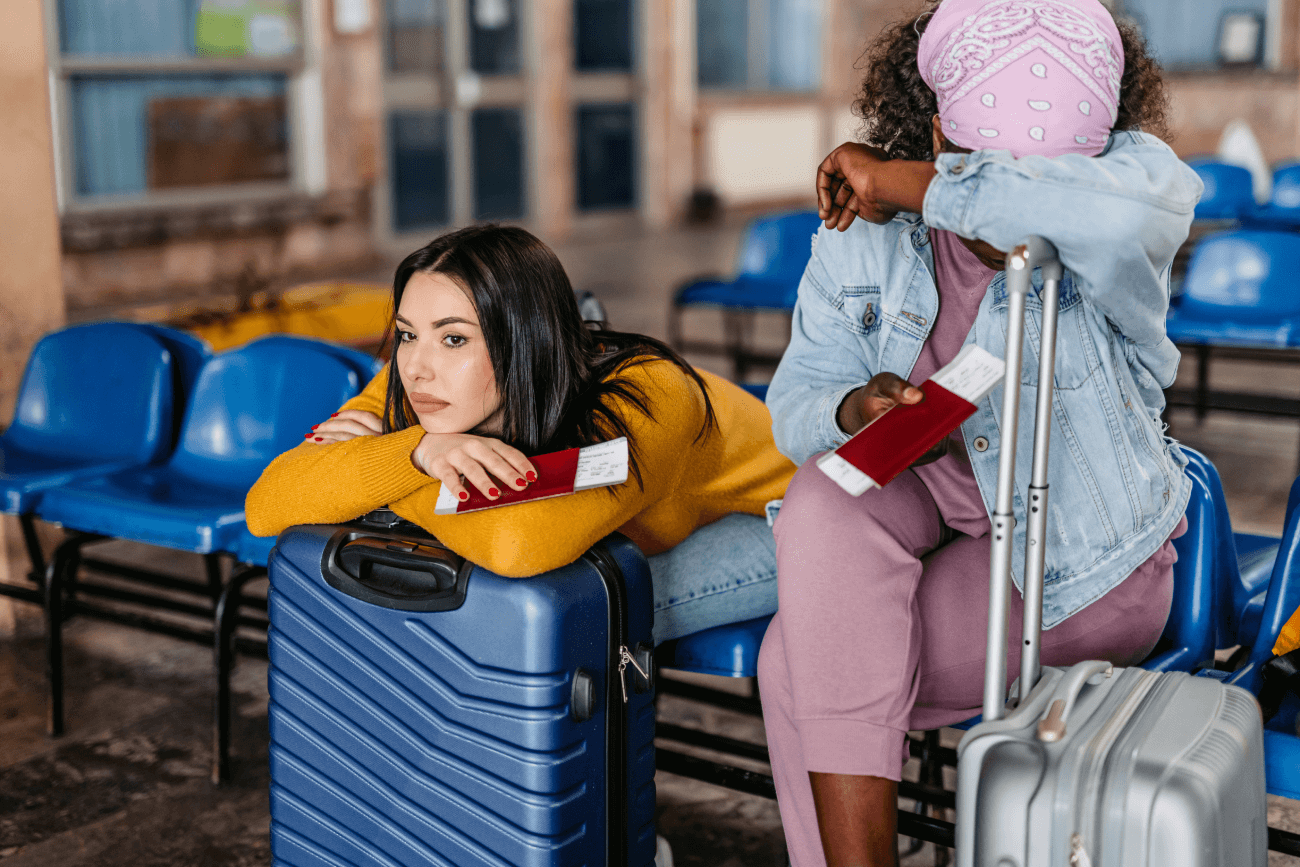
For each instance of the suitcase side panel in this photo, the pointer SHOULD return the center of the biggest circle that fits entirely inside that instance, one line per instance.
(441, 737)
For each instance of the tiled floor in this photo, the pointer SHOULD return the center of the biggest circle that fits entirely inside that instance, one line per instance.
(127, 786)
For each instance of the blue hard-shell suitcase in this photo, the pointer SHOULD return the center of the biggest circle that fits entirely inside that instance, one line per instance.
(425, 711)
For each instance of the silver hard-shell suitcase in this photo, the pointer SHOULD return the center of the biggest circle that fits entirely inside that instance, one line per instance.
(1098, 766)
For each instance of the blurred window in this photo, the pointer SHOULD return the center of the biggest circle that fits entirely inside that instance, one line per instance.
(606, 154)
(175, 94)
(763, 45)
(416, 30)
(421, 189)
(494, 37)
(498, 146)
(602, 35)
(1191, 34)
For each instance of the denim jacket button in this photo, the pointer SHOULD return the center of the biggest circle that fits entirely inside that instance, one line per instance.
(981, 444)
(869, 318)
(958, 166)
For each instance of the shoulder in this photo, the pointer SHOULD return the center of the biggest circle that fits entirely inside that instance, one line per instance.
(671, 396)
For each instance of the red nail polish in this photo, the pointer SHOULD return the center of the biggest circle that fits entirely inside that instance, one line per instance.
(532, 476)
(306, 436)
(520, 482)
(333, 415)
(493, 492)
(318, 439)
(313, 427)
(463, 495)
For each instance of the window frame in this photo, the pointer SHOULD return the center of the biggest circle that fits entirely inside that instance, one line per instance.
(757, 67)
(304, 107)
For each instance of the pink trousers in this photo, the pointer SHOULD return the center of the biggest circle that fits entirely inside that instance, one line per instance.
(881, 627)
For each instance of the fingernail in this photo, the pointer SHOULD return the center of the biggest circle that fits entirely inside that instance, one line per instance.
(333, 415)
(313, 427)
(463, 495)
(318, 439)
(520, 482)
(532, 476)
(306, 436)
(493, 492)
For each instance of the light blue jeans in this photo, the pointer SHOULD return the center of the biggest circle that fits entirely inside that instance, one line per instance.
(722, 573)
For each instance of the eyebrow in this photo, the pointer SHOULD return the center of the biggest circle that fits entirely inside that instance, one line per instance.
(450, 320)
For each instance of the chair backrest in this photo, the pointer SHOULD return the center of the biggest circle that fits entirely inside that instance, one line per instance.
(1229, 191)
(777, 247)
(1286, 188)
(366, 366)
(1244, 276)
(188, 354)
(97, 392)
(1191, 630)
(255, 402)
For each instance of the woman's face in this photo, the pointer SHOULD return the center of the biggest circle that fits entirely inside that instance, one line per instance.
(443, 360)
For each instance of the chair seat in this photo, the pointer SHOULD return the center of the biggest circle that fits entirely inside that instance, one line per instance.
(729, 651)
(743, 293)
(1272, 335)
(157, 506)
(25, 476)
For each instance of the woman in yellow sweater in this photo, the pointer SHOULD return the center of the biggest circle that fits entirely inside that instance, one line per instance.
(494, 364)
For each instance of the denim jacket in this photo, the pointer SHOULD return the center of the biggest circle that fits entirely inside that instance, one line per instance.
(868, 299)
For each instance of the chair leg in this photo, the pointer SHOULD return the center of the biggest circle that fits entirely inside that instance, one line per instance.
(212, 567)
(58, 575)
(226, 621)
(34, 553)
(675, 327)
(734, 330)
(1202, 382)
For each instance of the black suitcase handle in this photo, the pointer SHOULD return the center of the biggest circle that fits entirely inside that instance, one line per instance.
(403, 571)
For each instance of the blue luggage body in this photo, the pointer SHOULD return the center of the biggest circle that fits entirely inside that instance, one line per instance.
(425, 711)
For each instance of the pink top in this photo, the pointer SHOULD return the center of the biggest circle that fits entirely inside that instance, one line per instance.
(963, 281)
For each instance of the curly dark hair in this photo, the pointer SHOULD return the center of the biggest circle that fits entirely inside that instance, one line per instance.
(896, 105)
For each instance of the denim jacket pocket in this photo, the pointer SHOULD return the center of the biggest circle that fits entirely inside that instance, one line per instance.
(1076, 350)
(860, 306)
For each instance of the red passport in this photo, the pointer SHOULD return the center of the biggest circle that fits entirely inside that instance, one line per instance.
(875, 455)
(558, 473)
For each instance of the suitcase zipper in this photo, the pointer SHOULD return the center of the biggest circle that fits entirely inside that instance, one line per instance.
(616, 716)
(1098, 749)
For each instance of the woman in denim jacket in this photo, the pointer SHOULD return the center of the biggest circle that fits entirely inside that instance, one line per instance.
(994, 120)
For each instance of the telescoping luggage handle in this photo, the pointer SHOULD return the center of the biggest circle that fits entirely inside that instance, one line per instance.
(1034, 252)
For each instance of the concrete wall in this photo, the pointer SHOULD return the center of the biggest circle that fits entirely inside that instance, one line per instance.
(31, 295)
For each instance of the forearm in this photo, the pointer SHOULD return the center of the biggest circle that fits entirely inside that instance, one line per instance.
(901, 185)
(325, 484)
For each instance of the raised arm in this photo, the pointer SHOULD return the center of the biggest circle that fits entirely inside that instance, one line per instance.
(1117, 218)
(529, 538)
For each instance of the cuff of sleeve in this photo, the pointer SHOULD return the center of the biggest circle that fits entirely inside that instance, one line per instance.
(843, 746)
(947, 198)
(829, 433)
(387, 468)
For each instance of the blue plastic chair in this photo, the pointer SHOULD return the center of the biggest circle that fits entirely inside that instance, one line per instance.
(249, 405)
(367, 366)
(94, 399)
(1281, 741)
(1239, 299)
(1229, 191)
(773, 255)
(1283, 208)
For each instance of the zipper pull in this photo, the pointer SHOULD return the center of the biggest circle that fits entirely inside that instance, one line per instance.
(625, 657)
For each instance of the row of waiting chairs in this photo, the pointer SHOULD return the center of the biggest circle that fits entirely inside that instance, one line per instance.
(139, 432)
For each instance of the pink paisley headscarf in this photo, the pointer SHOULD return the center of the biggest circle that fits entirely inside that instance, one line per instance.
(1029, 76)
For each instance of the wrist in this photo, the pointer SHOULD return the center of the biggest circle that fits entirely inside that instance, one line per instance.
(849, 414)
(903, 184)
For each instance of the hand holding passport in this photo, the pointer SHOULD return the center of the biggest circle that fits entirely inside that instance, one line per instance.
(897, 438)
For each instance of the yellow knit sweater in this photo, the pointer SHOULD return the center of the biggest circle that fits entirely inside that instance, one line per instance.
(688, 483)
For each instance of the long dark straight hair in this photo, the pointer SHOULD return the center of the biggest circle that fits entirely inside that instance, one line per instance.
(558, 379)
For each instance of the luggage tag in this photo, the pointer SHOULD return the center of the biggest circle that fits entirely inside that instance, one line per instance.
(558, 474)
(894, 440)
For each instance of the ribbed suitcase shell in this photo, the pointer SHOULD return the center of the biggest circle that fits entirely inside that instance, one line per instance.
(1154, 769)
(446, 737)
